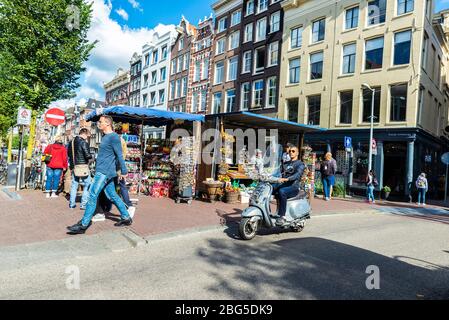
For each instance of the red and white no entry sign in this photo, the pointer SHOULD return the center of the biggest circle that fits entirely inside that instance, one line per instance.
(55, 116)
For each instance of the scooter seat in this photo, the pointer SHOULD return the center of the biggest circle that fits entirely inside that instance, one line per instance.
(301, 195)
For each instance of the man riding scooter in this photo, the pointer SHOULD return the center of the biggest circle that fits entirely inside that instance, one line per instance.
(288, 186)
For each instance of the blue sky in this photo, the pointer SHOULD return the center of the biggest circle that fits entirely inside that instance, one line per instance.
(122, 27)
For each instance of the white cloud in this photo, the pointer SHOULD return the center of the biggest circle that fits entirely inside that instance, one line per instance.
(135, 5)
(122, 13)
(115, 47)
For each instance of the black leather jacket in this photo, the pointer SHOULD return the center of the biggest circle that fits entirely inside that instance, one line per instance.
(82, 154)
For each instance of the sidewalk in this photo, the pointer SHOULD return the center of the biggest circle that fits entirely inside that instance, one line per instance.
(36, 219)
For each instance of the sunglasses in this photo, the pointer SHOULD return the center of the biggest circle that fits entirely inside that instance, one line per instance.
(292, 151)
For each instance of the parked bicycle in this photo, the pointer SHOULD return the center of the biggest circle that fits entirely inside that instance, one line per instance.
(34, 180)
(3, 173)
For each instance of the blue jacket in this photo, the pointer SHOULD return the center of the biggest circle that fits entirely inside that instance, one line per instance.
(109, 155)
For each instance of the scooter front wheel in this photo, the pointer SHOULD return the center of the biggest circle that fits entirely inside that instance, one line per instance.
(248, 228)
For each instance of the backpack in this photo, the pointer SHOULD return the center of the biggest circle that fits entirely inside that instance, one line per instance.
(326, 168)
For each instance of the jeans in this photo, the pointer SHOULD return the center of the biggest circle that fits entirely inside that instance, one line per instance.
(284, 193)
(102, 182)
(370, 192)
(124, 192)
(74, 189)
(53, 177)
(328, 181)
(422, 194)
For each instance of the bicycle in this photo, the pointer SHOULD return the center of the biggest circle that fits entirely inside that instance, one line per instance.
(34, 179)
(3, 173)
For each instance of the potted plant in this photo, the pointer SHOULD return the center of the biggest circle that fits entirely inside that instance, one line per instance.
(232, 194)
(386, 191)
(213, 189)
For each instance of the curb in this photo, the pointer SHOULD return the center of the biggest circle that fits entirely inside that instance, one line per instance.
(183, 232)
(134, 239)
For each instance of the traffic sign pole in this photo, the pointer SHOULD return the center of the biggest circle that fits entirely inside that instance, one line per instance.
(445, 184)
(19, 161)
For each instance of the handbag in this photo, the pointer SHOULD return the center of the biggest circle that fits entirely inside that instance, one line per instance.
(79, 170)
(47, 157)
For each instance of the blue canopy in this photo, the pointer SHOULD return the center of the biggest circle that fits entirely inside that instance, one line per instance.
(146, 116)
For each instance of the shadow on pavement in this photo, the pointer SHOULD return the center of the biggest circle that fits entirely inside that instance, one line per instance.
(316, 268)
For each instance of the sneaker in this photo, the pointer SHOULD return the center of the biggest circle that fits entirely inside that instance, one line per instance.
(280, 221)
(131, 211)
(72, 207)
(124, 222)
(47, 195)
(82, 207)
(54, 195)
(423, 204)
(99, 217)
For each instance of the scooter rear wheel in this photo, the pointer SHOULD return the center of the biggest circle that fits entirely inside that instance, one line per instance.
(248, 229)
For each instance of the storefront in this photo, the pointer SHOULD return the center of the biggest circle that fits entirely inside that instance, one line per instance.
(400, 155)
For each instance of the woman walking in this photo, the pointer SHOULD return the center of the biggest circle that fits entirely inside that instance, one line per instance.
(56, 155)
(422, 186)
(328, 169)
(371, 183)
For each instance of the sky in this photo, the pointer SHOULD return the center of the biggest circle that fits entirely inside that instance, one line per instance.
(122, 27)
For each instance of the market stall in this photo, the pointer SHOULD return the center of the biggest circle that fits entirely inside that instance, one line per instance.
(231, 165)
(152, 170)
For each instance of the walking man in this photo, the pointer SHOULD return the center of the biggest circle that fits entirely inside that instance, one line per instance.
(109, 154)
(79, 154)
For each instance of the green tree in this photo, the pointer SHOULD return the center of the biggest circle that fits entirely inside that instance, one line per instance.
(16, 141)
(43, 45)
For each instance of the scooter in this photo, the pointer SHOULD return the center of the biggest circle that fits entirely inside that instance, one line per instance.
(259, 214)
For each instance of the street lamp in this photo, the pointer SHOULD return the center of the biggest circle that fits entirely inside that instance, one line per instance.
(370, 144)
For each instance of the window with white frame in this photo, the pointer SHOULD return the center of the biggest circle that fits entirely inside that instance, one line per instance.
(184, 87)
(318, 30)
(180, 63)
(275, 21)
(197, 71)
(257, 93)
(273, 53)
(296, 38)
(402, 46)
(145, 99)
(352, 18)
(261, 29)
(222, 25)
(153, 77)
(271, 92)
(173, 65)
(147, 59)
(152, 98)
(248, 34)
(216, 103)
(163, 74)
(221, 43)
(316, 65)
(195, 101)
(262, 6)
(219, 72)
(178, 88)
(203, 100)
(161, 96)
(349, 51)
(259, 60)
(294, 70)
(249, 7)
(405, 6)
(247, 61)
(245, 96)
(236, 18)
(205, 69)
(424, 51)
(155, 56)
(230, 100)
(377, 12)
(181, 44)
(234, 40)
(232, 68)
(172, 89)
(374, 49)
(164, 52)
(145, 80)
(186, 61)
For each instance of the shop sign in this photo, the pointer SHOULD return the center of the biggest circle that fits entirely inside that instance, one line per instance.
(24, 117)
(348, 143)
(131, 138)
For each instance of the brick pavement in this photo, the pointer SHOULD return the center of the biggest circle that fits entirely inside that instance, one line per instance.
(36, 219)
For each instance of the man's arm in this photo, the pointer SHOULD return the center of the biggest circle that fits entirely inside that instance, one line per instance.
(299, 170)
(86, 151)
(117, 147)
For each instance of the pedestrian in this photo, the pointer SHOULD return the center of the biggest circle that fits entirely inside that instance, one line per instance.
(371, 183)
(328, 169)
(109, 154)
(423, 187)
(79, 155)
(55, 156)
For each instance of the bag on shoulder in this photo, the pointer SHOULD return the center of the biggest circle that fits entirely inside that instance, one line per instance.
(375, 182)
(79, 170)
